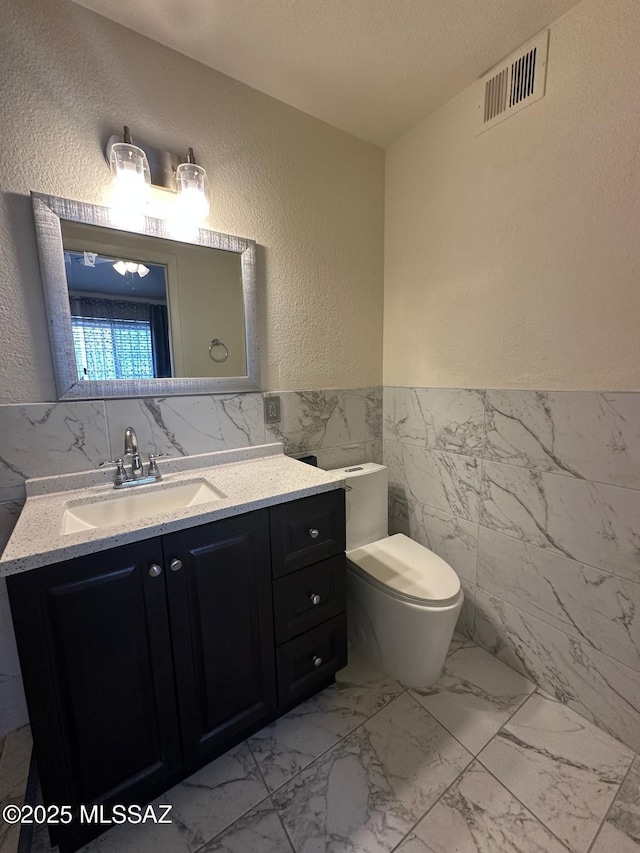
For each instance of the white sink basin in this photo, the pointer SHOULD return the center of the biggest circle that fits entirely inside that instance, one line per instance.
(126, 506)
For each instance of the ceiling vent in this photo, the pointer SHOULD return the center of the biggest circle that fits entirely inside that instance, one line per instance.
(515, 83)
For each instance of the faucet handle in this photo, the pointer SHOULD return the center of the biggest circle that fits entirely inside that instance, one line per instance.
(153, 468)
(121, 474)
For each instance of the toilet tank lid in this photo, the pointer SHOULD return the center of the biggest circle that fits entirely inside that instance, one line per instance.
(408, 568)
(358, 470)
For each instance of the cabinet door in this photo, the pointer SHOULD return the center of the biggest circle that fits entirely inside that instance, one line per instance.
(93, 638)
(222, 627)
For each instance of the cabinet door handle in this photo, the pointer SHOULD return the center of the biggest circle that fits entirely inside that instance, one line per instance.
(314, 533)
(155, 570)
(315, 598)
(175, 565)
(317, 660)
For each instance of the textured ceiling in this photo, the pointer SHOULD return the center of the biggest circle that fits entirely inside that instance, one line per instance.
(374, 68)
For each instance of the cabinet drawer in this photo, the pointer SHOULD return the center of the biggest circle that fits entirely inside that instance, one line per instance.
(309, 596)
(307, 531)
(299, 672)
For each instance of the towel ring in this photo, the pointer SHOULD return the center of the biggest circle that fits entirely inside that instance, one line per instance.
(216, 342)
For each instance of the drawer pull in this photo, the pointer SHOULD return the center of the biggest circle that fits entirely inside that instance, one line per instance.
(314, 533)
(155, 570)
(317, 661)
(175, 565)
(315, 598)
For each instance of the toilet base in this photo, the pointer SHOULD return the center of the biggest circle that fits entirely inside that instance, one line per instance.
(405, 640)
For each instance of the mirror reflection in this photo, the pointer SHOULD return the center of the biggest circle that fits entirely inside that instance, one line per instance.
(149, 308)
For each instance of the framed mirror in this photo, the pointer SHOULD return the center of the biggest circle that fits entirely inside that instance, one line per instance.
(135, 313)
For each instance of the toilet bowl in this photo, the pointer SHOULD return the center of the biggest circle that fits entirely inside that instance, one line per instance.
(403, 601)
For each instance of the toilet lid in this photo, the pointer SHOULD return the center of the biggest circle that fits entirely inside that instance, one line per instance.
(406, 567)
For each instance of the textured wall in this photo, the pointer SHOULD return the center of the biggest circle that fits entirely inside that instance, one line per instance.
(310, 195)
(534, 499)
(511, 258)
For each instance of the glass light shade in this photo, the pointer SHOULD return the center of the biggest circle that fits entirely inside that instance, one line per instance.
(142, 270)
(130, 166)
(120, 267)
(191, 184)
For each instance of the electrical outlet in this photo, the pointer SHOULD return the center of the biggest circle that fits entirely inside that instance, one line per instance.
(272, 410)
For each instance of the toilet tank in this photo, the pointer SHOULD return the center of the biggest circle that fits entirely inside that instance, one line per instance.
(366, 502)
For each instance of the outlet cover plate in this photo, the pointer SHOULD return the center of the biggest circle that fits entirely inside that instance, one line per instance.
(272, 410)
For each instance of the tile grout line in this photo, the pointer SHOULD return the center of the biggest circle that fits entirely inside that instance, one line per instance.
(612, 803)
(554, 552)
(244, 813)
(333, 745)
(270, 798)
(535, 692)
(467, 766)
(433, 805)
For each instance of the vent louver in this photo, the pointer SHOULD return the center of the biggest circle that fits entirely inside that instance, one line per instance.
(514, 84)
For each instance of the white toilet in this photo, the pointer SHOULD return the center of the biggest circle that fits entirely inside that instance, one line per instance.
(403, 600)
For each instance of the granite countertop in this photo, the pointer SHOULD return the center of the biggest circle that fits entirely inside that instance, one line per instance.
(249, 478)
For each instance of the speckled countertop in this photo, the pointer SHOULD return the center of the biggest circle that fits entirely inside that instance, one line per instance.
(249, 478)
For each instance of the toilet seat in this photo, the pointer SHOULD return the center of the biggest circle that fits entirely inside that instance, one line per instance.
(407, 571)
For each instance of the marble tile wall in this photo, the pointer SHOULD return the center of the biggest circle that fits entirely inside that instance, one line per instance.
(341, 427)
(534, 498)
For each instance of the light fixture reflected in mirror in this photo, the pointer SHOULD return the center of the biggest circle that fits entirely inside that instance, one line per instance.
(123, 267)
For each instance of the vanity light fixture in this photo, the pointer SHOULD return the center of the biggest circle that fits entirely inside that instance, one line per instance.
(136, 170)
(130, 166)
(191, 186)
(123, 267)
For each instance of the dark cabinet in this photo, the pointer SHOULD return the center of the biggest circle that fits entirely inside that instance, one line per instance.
(222, 629)
(145, 662)
(97, 665)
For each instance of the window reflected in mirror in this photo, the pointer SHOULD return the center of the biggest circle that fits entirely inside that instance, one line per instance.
(150, 308)
(118, 317)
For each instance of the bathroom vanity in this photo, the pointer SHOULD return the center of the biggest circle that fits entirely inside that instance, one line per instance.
(149, 651)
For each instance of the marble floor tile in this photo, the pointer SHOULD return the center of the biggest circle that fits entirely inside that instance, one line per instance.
(583, 434)
(365, 794)
(594, 685)
(588, 604)
(203, 805)
(621, 831)
(561, 767)
(458, 641)
(14, 772)
(478, 815)
(475, 696)
(259, 831)
(295, 740)
(612, 840)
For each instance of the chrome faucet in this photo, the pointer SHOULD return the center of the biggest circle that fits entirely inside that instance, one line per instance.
(136, 477)
(131, 449)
